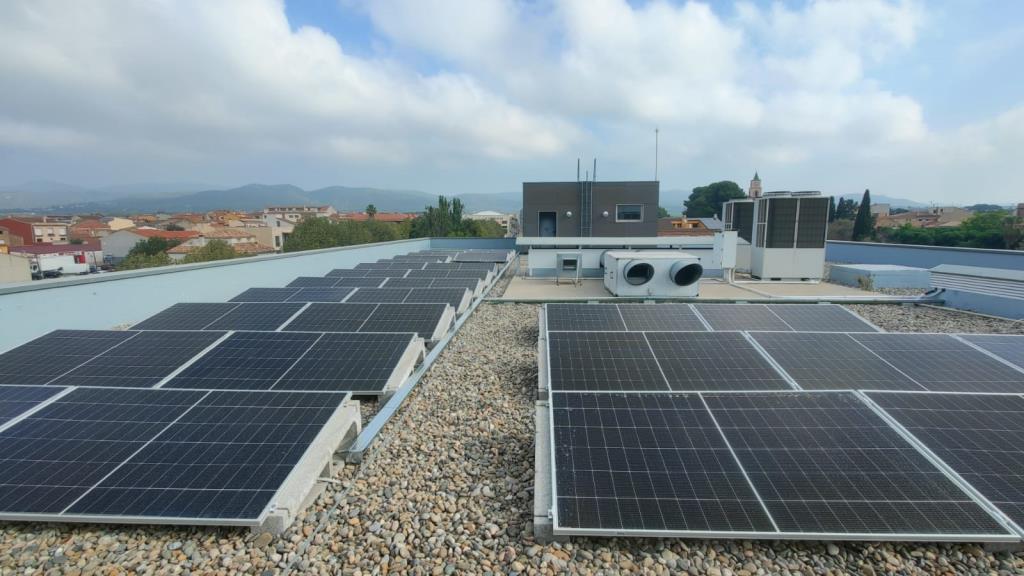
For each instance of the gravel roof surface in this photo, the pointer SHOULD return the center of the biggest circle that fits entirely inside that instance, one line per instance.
(448, 489)
(916, 318)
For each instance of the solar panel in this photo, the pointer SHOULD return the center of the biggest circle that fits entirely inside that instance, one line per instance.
(576, 317)
(256, 316)
(372, 266)
(16, 400)
(981, 437)
(360, 282)
(713, 361)
(325, 317)
(588, 361)
(452, 296)
(470, 284)
(660, 317)
(142, 361)
(224, 459)
(358, 363)
(378, 295)
(266, 295)
(389, 273)
(439, 273)
(825, 463)
(485, 266)
(942, 363)
(825, 361)
(346, 273)
(422, 319)
(186, 316)
(820, 318)
(646, 462)
(51, 459)
(483, 256)
(246, 361)
(408, 283)
(313, 282)
(49, 356)
(321, 294)
(1007, 347)
(740, 317)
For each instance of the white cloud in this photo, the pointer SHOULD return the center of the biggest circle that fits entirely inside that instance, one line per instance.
(514, 90)
(205, 75)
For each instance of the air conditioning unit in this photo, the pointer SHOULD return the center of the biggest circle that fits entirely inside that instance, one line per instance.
(658, 273)
(789, 236)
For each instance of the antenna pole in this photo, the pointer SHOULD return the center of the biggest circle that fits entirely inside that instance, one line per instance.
(655, 154)
(577, 169)
(595, 169)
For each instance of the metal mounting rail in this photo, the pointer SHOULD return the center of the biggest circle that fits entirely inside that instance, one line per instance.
(369, 433)
(781, 300)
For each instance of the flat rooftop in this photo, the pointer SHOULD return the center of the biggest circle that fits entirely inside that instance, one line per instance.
(545, 289)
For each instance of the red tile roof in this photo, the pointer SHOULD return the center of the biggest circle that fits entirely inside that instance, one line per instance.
(167, 234)
(57, 248)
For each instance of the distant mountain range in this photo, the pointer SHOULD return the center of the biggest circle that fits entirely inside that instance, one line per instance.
(883, 199)
(55, 197)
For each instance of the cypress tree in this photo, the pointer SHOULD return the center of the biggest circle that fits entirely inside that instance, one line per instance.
(863, 225)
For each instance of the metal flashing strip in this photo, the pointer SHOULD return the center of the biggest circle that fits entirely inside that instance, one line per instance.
(372, 429)
(703, 320)
(772, 361)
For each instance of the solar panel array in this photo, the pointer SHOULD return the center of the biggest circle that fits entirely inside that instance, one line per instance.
(202, 412)
(779, 421)
(101, 454)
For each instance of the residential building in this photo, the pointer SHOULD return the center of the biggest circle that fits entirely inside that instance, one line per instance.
(510, 222)
(89, 252)
(584, 209)
(389, 217)
(14, 268)
(8, 238)
(880, 210)
(935, 217)
(688, 226)
(754, 191)
(89, 228)
(36, 229)
(280, 230)
(1020, 210)
(117, 245)
(117, 223)
(300, 213)
(242, 240)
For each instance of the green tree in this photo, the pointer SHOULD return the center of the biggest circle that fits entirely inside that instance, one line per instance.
(706, 201)
(311, 234)
(317, 233)
(864, 224)
(134, 261)
(152, 246)
(831, 208)
(445, 219)
(846, 209)
(213, 250)
(371, 211)
(1013, 232)
(663, 213)
(840, 230)
(485, 229)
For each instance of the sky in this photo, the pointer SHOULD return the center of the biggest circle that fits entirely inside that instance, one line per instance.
(918, 100)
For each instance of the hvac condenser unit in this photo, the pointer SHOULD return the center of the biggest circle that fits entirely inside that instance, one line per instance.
(658, 273)
(789, 236)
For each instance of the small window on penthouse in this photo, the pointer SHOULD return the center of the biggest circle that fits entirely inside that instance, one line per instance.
(629, 213)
